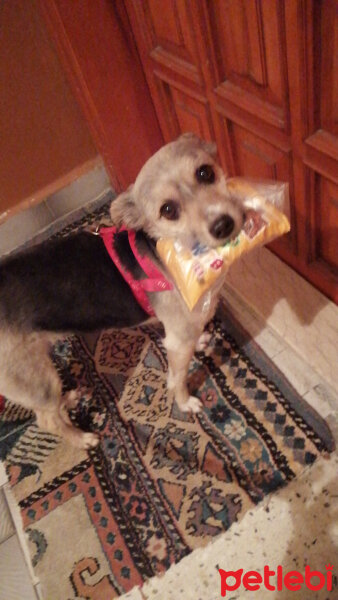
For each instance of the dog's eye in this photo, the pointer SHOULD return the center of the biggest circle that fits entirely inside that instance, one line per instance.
(170, 210)
(205, 174)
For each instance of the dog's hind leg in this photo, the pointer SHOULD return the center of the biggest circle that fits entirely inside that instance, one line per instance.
(56, 422)
(29, 378)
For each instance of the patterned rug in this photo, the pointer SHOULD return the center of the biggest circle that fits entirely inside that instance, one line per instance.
(161, 483)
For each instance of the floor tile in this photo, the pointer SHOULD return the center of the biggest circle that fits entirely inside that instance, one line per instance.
(6, 524)
(21, 536)
(270, 342)
(323, 399)
(291, 306)
(295, 527)
(295, 369)
(3, 475)
(15, 583)
(38, 591)
(24, 225)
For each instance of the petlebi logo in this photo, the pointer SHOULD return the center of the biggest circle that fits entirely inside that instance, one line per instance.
(276, 580)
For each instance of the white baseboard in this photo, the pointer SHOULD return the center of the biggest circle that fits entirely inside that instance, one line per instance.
(23, 226)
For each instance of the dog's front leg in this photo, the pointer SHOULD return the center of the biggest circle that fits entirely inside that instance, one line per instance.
(179, 354)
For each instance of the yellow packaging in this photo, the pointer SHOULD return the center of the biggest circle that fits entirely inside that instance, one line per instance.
(196, 271)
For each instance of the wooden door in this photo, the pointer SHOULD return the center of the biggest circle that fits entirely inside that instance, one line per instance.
(260, 78)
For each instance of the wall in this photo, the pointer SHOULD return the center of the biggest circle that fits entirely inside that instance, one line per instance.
(44, 140)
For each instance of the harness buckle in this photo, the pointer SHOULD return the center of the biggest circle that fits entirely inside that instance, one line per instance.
(94, 229)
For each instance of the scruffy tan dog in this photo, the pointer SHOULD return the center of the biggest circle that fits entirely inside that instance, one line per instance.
(85, 282)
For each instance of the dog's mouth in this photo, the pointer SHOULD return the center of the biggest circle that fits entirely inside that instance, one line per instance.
(220, 232)
(204, 242)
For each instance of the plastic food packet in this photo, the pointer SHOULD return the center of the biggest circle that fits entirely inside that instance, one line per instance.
(198, 270)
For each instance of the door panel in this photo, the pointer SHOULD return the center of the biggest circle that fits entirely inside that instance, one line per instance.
(256, 157)
(167, 37)
(321, 148)
(192, 114)
(329, 68)
(171, 39)
(249, 74)
(326, 214)
(322, 141)
(249, 42)
(180, 109)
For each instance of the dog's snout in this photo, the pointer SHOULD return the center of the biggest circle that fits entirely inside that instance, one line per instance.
(222, 227)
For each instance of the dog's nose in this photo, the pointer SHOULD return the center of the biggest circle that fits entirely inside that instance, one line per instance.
(222, 227)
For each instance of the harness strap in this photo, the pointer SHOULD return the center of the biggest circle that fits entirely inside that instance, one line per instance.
(156, 281)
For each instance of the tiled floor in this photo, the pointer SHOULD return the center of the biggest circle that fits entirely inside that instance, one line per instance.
(14, 575)
(296, 524)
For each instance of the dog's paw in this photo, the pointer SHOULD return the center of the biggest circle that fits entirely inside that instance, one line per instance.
(88, 440)
(193, 405)
(72, 398)
(203, 341)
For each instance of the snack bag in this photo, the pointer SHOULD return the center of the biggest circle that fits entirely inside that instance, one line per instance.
(197, 270)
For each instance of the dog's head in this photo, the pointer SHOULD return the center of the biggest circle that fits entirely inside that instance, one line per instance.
(181, 193)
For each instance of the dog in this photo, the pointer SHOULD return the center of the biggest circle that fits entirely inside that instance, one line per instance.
(71, 284)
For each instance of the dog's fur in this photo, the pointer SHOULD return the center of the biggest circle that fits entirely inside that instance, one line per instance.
(72, 285)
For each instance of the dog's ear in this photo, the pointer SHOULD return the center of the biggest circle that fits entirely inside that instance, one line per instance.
(123, 210)
(188, 135)
(209, 147)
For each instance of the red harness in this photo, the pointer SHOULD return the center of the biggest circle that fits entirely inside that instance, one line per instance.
(155, 282)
